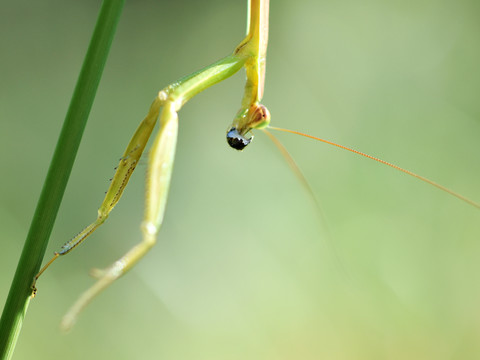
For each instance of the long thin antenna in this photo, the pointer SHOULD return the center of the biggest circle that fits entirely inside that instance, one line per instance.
(408, 172)
(324, 224)
(293, 165)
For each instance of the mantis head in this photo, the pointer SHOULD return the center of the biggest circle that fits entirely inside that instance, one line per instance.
(256, 116)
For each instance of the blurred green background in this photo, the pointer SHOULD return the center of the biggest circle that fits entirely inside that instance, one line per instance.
(243, 268)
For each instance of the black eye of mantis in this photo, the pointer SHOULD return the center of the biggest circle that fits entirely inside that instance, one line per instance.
(236, 140)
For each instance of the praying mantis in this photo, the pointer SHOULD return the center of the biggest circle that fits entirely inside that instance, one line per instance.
(251, 54)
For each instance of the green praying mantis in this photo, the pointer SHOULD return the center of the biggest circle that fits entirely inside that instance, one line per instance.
(249, 54)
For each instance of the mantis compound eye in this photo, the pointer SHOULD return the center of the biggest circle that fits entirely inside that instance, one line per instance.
(236, 140)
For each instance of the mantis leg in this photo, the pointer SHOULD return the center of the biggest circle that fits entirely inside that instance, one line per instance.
(172, 98)
(125, 168)
(159, 172)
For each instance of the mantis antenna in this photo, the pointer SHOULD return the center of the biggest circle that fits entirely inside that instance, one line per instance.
(408, 172)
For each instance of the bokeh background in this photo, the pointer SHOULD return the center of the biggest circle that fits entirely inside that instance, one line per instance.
(244, 268)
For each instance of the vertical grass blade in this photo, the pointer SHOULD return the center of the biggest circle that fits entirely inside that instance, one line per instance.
(57, 176)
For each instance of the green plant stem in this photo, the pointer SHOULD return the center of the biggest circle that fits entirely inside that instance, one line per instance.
(57, 176)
